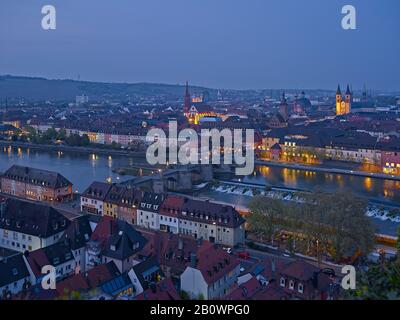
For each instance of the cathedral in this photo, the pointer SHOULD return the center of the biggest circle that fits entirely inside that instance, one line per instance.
(195, 110)
(343, 106)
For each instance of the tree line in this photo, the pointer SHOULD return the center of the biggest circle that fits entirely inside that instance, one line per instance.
(335, 222)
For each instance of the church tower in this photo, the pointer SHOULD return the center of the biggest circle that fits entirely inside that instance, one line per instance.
(338, 101)
(349, 99)
(187, 103)
(343, 106)
(283, 108)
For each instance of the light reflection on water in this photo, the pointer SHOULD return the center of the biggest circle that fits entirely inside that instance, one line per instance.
(309, 180)
(82, 169)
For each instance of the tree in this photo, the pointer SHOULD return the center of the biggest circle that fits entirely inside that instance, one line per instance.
(265, 214)
(335, 223)
(352, 229)
(398, 243)
(379, 282)
(62, 134)
(184, 295)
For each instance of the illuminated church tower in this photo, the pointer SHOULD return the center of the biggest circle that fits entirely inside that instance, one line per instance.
(187, 101)
(343, 106)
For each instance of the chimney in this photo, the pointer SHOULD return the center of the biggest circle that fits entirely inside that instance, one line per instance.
(67, 241)
(111, 228)
(3, 207)
(193, 260)
(273, 268)
(180, 244)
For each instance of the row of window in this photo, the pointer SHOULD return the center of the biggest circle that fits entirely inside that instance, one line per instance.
(6, 233)
(91, 201)
(300, 286)
(16, 245)
(185, 222)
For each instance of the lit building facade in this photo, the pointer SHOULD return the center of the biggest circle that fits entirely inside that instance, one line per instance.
(343, 106)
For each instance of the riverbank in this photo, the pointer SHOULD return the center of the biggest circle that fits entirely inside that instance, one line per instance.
(84, 150)
(385, 216)
(327, 170)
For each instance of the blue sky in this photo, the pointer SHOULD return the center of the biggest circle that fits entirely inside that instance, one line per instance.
(216, 43)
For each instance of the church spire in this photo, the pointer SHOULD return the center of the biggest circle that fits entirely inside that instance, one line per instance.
(187, 88)
(186, 106)
(338, 91)
(348, 92)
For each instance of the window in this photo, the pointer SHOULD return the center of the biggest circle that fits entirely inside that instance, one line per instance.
(300, 288)
(282, 282)
(291, 285)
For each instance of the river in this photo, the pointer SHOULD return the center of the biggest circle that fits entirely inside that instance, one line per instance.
(83, 169)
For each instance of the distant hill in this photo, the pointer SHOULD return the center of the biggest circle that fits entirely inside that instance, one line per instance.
(40, 89)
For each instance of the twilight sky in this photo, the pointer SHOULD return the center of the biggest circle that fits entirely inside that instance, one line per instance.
(216, 43)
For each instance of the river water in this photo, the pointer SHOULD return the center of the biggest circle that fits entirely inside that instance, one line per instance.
(83, 169)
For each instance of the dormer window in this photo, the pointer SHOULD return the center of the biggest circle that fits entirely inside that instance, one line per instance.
(113, 248)
(300, 288)
(291, 285)
(282, 282)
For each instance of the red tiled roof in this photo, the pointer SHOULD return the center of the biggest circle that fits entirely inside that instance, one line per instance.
(75, 283)
(164, 290)
(37, 259)
(100, 274)
(270, 292)
(171, 204)
(214, 263)
(299, 270)
(103, 229)
(245, 291)
(166, 248)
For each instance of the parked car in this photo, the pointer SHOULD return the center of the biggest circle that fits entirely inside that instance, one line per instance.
(243, 255)
(329, 271)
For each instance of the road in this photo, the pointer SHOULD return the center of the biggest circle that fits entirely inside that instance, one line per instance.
(257, 256)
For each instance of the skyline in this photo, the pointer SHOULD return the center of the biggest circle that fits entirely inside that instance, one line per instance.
(154, 42)
(194, 85)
